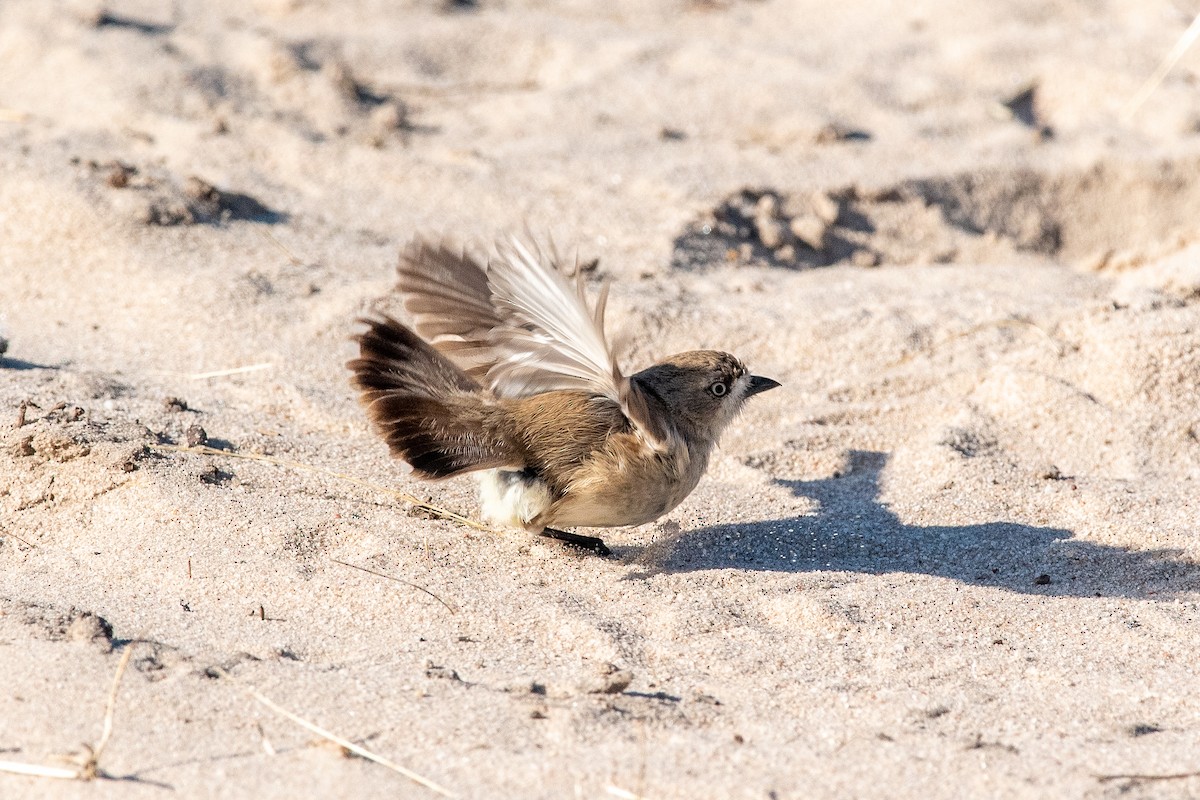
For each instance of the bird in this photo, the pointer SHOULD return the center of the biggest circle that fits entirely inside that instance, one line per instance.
(505, 370)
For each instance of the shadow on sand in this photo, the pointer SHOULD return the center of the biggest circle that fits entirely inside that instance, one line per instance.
(852, 531)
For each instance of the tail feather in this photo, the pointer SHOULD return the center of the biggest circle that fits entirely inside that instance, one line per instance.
(393, 358)
(429, 411)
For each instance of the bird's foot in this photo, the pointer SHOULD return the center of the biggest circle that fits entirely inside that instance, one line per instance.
(589, 543)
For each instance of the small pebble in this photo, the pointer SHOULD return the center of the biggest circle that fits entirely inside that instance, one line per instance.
(195, 436)
(864, 258)
(88, 627)
(608, 679)
(810, 230)
(825, 207)
(437, 671)
(119, 174)
(770, 232)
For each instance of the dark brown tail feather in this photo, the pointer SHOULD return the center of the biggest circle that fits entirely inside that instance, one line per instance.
(430, 413)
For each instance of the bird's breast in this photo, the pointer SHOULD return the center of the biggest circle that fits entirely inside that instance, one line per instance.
(628, 483)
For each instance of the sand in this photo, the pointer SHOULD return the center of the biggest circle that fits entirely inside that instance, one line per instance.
(958, 554)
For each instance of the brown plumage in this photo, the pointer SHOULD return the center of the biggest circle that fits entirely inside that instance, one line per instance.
(508, 370)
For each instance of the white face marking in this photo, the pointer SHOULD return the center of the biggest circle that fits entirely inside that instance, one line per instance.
(730, 405)
(740, 386)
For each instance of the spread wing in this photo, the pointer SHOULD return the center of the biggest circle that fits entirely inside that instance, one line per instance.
(445, 291)
(518, 325)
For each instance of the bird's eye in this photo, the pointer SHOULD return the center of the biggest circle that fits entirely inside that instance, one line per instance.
(719, 389)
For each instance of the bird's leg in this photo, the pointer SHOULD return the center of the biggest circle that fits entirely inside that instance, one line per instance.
(590, 543)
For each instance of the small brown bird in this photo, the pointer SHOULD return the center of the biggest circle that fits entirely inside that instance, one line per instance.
(506, 369)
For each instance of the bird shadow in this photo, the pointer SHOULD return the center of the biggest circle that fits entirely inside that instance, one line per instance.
(852, 531)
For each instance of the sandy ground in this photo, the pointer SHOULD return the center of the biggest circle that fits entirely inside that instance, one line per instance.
(958, 554)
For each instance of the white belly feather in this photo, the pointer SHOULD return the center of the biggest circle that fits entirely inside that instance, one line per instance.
(512, 498)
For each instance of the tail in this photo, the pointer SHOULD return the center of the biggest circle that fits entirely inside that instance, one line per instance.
(430, 412)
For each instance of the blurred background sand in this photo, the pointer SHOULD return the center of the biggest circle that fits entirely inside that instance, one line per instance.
(955, 556)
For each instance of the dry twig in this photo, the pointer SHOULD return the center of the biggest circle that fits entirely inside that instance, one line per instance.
(292, 257)
(90, 768)
(418, 587)
(18, 538)
(1185, 41)
(351, 746)
(624, 794)
(279, 462)
(221, 373)
(1175, 776)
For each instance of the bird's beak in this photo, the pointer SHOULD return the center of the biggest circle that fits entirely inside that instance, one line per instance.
(760, 384)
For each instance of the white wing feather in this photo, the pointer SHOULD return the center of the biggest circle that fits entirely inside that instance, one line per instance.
(551, 339)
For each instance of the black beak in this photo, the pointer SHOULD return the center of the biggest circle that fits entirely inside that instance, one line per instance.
(760, 384)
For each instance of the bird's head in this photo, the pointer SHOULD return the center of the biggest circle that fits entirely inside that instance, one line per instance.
(701, 391)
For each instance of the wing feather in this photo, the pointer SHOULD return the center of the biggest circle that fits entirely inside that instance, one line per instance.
(551, 339)
(446, 293)
(518, 325)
